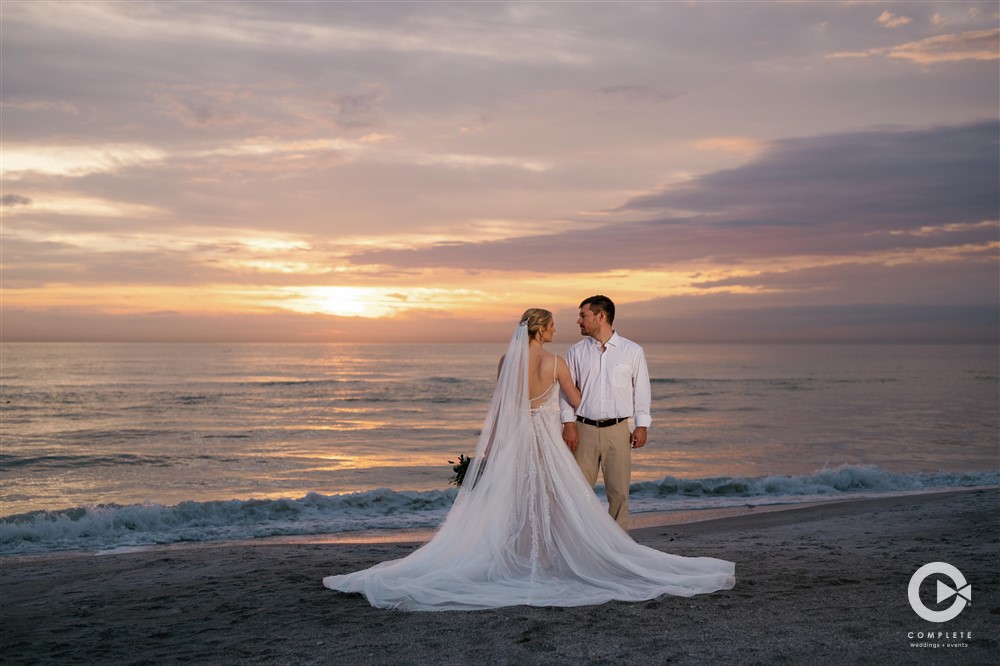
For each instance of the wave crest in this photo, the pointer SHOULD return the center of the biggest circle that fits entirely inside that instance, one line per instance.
(115, 526)
(843, 479)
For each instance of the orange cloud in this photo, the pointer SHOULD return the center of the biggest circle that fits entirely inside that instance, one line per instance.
(731, 144)
(890, 20)
(971, 45)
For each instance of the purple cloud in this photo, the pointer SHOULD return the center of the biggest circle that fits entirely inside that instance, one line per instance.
(14, 200)
(839, 194)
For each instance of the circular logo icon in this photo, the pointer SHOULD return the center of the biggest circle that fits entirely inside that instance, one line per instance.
(962, 592)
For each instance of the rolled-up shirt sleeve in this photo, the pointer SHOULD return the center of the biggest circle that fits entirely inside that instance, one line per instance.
(566, 411)
(641, 393)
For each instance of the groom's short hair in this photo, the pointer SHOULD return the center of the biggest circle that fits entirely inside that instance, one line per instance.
(601, 304)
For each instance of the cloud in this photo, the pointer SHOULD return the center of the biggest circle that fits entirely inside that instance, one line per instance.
(638, 93)
(890, 20)
(75, 159)
(76, 207)
(14, 200)
(378, 138)
(82, 325)
(312, 29)
(870, 323)
(269, 108)
(479, 161)
(841, 194)
(967, 278)
(37, 264)
(36, 105)
(971, 45)
(731, 144)
(895, 178)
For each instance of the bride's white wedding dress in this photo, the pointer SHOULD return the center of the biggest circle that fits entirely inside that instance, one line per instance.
(526, 529)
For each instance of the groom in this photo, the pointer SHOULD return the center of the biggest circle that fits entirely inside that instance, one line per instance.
(614, 380)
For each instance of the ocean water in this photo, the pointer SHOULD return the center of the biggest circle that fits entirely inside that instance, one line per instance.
(111, 445)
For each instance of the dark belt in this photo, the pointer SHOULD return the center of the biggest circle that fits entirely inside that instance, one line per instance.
(603, 423)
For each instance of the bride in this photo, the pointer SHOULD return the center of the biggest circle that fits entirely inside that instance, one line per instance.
(525, 528)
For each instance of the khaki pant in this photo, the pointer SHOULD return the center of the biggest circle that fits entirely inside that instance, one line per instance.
(610, 450)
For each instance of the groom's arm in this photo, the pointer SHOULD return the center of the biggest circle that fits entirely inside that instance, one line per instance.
(567, 413)
(641, 399)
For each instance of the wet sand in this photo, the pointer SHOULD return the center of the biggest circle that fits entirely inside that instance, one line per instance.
(826, 584)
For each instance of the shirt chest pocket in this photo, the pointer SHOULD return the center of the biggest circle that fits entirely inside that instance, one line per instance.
(621, 374)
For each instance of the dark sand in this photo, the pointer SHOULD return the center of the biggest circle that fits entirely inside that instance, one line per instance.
(822, 585)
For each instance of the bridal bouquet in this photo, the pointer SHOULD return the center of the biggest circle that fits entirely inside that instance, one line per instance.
(460, 469)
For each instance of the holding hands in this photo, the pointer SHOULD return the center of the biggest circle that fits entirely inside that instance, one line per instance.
(571, 436)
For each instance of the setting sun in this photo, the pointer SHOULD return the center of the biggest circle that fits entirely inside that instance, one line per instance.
(380, 169)
(341, 301)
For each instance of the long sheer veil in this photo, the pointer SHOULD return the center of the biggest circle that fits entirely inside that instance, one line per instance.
(481, 513)
(507, 420)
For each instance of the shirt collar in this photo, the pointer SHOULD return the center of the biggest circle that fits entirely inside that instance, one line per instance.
(612, 341)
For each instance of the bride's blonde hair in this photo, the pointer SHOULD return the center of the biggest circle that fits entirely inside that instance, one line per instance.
(536, 319)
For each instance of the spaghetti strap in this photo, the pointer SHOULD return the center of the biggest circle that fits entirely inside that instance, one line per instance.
(555, 368)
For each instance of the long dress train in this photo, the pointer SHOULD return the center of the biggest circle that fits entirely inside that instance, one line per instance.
(526, 529)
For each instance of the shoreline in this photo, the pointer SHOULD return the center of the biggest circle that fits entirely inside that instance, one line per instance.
(638, 521)
(827, 581)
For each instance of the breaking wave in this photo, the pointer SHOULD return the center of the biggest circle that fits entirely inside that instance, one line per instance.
(109, 526)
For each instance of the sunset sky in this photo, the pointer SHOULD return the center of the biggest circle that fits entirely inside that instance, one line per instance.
(396, 171)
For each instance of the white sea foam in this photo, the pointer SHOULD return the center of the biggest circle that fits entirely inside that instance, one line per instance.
(845, 481)
(842, 479)
(104, 527)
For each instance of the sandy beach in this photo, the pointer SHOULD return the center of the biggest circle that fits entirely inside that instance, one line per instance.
(825, 583)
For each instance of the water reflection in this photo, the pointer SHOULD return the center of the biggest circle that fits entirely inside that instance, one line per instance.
(90, 423)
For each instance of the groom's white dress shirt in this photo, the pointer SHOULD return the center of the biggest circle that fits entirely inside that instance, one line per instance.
(616, 381)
